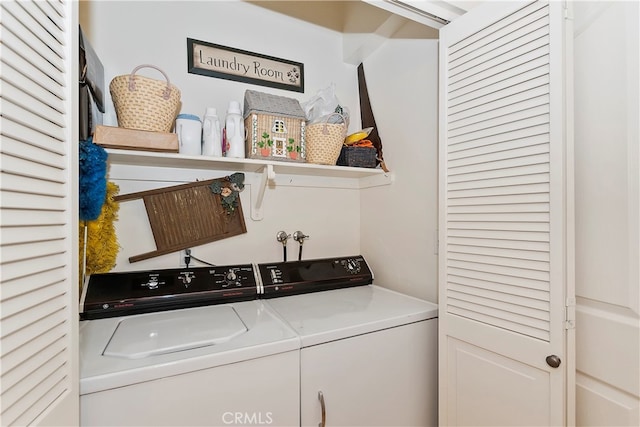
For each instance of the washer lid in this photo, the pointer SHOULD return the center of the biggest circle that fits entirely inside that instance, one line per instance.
(266, 334)
(168, 332)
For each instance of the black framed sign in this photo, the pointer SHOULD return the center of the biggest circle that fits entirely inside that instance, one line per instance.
(209, 59)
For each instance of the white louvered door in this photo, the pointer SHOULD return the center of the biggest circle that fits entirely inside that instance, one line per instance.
(38, 201)
(506, 218)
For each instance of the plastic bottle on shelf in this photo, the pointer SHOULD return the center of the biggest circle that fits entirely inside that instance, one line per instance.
(211, 141)
(234, 131)
(189, 131)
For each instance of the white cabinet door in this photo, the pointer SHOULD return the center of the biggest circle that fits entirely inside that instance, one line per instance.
(385, 378)
(506, 217)
(38, 200)
(262, 391)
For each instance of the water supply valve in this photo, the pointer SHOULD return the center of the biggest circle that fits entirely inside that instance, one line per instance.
(299, 237)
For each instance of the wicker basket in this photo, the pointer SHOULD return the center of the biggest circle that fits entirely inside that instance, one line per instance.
(324, 141)
(143, 103)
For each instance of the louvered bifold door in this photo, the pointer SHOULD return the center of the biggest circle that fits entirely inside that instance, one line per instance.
(503, 213)
(38, 290)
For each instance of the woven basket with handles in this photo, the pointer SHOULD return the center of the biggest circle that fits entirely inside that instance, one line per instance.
(144, 103)
(324, 141)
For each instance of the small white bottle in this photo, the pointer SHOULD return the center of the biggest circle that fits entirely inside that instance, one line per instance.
(234, 131)
(211, 141)
(189, 131)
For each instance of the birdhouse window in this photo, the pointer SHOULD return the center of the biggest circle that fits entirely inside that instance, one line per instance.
(278, 127)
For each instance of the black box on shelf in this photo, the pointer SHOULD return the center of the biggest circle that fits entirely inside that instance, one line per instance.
(359, 157)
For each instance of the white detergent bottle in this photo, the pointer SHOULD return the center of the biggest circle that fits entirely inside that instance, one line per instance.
(211, 140)
(189, 131)
(234, 131)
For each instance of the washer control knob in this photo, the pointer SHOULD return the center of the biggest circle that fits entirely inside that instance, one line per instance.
(186, 278)
(232, 278)
(152, 283)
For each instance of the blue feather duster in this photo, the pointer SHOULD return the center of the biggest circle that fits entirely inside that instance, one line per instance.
(93, 179)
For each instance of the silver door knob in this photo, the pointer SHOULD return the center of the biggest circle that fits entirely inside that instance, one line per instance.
(553, 361)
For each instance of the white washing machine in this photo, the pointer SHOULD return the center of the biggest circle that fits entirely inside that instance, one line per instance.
(368, 355)
(141, 364)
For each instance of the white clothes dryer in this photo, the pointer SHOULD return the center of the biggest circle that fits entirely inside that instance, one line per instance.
(368, 354)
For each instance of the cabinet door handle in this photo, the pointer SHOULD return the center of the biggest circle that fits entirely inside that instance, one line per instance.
(322, 408)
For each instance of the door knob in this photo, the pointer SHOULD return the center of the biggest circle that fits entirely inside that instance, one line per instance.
(553, 361)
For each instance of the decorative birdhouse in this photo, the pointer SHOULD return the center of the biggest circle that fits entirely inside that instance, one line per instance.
(275, 127)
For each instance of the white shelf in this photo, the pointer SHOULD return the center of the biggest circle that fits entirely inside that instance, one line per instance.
(264, 171)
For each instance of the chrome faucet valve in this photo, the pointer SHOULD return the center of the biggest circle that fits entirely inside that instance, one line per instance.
(299, 237)
(282, 237)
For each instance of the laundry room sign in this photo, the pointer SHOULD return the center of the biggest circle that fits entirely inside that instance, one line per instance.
(208, 59)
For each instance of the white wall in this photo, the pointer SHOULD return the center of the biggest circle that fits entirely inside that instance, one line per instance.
(607, 162)
(399, 222)
(401, 77)
(129, 33)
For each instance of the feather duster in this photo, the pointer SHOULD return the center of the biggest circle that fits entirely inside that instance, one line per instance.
(93, 179)
(101, 240)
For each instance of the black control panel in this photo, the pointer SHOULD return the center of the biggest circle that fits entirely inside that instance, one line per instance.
(126, 293)
(117, 294)
(298, 277)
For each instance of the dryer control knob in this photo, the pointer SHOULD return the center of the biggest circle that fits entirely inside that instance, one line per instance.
(352, 266)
